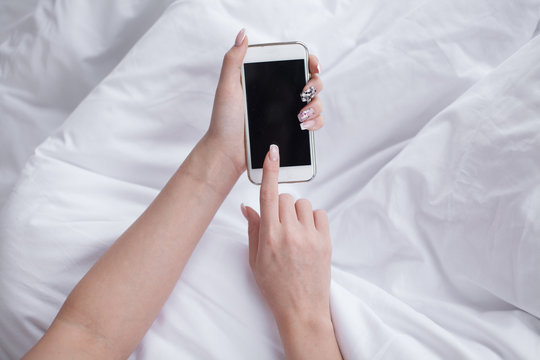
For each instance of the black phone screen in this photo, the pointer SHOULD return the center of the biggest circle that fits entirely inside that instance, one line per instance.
(273, 101)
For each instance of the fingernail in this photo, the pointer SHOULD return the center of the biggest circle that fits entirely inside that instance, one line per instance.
(308, 94)
(306, 114)
(240, 37)
(244, 210)
(319, 68)
(307, 125)
(274, 152)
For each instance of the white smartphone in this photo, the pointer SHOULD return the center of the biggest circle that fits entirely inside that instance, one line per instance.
(273, 76)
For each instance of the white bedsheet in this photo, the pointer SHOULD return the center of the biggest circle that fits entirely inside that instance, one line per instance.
(51, 60)
(429, 167)
(12, 12)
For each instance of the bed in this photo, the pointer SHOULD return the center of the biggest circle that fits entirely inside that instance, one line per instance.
(428, 166)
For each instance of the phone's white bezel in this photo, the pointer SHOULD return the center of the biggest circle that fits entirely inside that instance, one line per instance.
(276, 52)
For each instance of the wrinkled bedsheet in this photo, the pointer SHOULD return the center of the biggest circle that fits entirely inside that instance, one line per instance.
(428, 165)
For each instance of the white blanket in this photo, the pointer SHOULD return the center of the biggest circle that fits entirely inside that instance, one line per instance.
(429, 167)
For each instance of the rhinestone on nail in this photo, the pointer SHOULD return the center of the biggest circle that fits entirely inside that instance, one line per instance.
(306, 114)
(308, 94)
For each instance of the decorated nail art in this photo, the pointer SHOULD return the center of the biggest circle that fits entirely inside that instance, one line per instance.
(306, 114)
(307, 125)
(308, 94)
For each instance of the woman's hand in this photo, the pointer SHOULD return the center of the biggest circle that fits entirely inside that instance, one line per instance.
(289, 254)
(227, 125)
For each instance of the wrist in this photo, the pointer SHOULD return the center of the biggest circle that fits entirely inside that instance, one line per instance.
(225, 153)
(304, 322)
(308, 336)
(209, 165)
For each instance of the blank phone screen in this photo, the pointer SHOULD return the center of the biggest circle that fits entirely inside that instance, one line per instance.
(273, 102)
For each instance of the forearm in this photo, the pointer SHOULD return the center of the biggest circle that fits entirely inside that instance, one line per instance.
(121, 295)
(308, 337)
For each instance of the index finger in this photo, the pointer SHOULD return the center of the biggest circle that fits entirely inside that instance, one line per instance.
(269, 196)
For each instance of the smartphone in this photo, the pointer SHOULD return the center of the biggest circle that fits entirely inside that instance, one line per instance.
(273, 76)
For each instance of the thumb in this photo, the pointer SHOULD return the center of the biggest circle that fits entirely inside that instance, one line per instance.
(232, 61)
(253, 232)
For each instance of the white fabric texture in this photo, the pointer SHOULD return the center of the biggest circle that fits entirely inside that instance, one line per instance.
(428, 164)
(12, 12)
(51, 60)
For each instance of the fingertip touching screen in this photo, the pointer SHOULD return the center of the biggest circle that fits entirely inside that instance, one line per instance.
(273, 102)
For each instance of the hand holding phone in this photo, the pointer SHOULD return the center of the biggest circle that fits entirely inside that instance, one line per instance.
(227, 127)
(281, 108)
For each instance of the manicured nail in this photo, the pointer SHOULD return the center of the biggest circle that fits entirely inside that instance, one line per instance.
(240, 37)
(244, 210)
(318, 68)
(307, 125)
(306, 114)
(308, 94)
(274, 152)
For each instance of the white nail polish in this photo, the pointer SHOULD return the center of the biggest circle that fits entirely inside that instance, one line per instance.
(274, 152)
(240, 37)
(307, 125)
(319, 69)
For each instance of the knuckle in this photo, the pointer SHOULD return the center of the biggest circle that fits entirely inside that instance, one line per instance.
(266, 197)
(271, 234)
(316, 103)
(270, 167)
(327, 251)
(328, 248)
(227, 58)
(267, 194)
(252, 231)
(326, 243)
(319, 83)
(290, 234)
